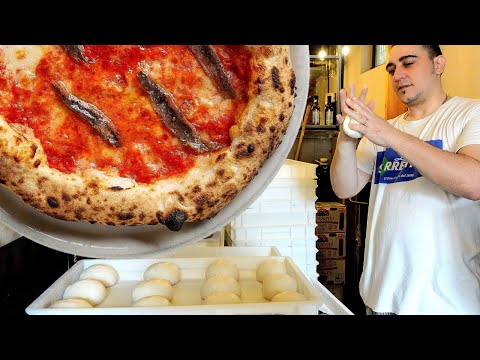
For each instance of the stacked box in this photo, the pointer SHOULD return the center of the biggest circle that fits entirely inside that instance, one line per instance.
(331, 219)
(331, 245)
(331, 271)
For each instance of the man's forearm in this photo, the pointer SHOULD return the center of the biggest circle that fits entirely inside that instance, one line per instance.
(343, 173)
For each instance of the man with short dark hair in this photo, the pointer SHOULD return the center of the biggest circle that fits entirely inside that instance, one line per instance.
(422, 248)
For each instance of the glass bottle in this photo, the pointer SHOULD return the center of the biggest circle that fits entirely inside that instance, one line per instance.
(315, 111)
(329, 111)
(334, 108)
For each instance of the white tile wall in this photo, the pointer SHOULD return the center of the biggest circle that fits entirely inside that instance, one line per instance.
(284, 217)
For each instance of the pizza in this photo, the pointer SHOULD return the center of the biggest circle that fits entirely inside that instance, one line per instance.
(137, 134)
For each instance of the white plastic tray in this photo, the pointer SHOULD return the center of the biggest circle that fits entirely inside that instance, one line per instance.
(186, 299)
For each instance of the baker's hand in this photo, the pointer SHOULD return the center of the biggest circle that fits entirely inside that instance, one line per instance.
(344, 121)
(375, 129)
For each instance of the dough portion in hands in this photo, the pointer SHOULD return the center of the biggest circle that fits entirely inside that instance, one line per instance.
(277, 283)
(163, 270)
(270, 266)
(152, 287)
(152, 301)
(286, 296)
(106, 274)
(222, 267)
(71, 303)
(346, 129)
(219, 283)
(222, 297)
(90, 290)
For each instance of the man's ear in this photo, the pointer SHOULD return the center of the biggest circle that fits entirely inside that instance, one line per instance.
(439, 63)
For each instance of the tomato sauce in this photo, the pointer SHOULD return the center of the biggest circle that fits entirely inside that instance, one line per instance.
(148, 151)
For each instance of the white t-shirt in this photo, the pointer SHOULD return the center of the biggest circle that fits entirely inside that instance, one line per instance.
(422, 248)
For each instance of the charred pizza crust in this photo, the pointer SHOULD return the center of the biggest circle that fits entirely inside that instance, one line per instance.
(198, 194)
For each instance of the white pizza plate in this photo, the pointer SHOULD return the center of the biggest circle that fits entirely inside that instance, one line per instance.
(103, 241)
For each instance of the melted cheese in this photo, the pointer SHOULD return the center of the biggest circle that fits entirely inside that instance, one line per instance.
(22, 60)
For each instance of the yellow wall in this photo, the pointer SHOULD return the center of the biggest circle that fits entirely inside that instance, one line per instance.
(462, 73)
(375, 79)
(461, 76)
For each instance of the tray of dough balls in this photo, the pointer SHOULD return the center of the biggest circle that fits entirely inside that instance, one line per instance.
(207, 285)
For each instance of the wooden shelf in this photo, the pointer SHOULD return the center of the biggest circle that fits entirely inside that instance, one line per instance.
(322, 127)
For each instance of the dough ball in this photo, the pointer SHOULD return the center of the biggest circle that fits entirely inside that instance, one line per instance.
(223, 297)
(222, 267)
(270, 266)
(71, 303)
(90, 290)
(219, 283)
(276, 283)
(288, 295)
(352, 133)
(106, 274)
(152, 301)
(152, 287)
(163, 270)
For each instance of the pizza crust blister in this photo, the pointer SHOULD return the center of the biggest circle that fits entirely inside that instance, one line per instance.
(200, 193)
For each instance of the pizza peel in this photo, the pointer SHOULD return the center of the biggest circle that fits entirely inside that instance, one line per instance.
(103, 241)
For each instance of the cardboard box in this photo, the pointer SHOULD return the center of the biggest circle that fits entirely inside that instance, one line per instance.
(331, 271)
(331, 217)
(331, 245)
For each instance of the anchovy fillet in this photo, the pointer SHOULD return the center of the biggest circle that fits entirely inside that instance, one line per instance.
(164, 105)
(213, 67)
(77, 52)
(90, 113)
